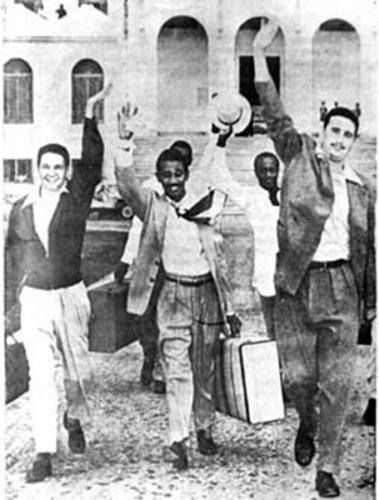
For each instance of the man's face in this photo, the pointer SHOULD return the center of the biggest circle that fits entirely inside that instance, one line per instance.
(52, 171)
(267, 172)
(173, 176)
(338, 138)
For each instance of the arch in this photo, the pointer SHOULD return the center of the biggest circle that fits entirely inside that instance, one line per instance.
(87, 79)
(244, 66)
(335, 64)
(182, 75)
(18, 92)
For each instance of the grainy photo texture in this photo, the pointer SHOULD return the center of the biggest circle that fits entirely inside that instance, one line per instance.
(189, 194)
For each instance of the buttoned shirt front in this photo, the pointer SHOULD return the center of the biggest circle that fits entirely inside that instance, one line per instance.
(183, 253)
(44, 205)
(334, 243)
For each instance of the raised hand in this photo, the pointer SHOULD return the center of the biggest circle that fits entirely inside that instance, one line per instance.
(125, 119)
(100, 96)
(266, 34)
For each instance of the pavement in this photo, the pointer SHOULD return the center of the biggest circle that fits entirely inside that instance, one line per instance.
(127, 456)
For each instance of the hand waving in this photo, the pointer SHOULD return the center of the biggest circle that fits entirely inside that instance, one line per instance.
(266, 34)
(125, 118)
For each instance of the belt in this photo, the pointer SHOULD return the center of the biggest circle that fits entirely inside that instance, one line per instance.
(189, 280)
(328, 264)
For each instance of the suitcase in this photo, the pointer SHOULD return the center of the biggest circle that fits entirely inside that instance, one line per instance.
(247, 382)
(110, 326)
(16, 369)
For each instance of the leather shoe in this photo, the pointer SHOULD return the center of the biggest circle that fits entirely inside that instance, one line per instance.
(326, 485)
(159, 387)
(41, 468)
(304, 446)
(76, 440)
(147, 372)
(179, 448)
(206, 444)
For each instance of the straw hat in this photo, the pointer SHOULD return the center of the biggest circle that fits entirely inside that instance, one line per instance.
(230, 108)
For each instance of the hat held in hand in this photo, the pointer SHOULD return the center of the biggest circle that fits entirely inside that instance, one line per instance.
(230, 108)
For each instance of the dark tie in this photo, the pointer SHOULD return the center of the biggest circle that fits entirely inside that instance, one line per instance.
(194, 213)
(273, 195)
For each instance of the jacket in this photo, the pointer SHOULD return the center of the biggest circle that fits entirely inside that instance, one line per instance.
(306, 203)
(58, 267)
(152, 209)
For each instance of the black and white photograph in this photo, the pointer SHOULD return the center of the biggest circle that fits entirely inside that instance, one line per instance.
(189, 249)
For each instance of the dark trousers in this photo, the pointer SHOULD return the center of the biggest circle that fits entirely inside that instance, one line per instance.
(316, 331)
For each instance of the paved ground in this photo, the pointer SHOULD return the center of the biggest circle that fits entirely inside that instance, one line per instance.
(127, 458)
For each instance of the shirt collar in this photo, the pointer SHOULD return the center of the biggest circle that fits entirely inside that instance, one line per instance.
(35, 195)
(347, 171)
(351, 175)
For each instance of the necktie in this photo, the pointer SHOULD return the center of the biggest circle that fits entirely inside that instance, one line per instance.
(195, 212)
(273, 196)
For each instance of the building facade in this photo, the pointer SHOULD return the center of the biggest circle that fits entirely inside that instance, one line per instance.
(171, 55)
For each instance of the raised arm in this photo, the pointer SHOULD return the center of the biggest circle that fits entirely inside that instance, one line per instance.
(130, 188)
(287, 140)
(88, 172)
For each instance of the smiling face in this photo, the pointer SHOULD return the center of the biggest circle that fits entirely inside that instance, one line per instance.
(52, 171)
(173, 175)
(338, 138)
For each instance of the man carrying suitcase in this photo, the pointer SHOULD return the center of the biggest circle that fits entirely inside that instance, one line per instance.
(325, 273)
(44, 241)
(194, 304)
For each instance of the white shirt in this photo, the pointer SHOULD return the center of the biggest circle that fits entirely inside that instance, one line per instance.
(263, 218)
(44, 205)
(183, 252)
(197, 184)
(334, 243)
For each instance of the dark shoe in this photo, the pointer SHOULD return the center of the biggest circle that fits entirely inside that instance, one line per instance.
(147, 372)
(179, 448)
(369, 416)
(206, 444)
(76, 440)
(304, 446)
(159, 387)
(41, 468)
(326, 485)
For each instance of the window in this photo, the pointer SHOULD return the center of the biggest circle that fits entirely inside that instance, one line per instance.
(18, 92)
(18, 171)
(87, 80)
(99, 4)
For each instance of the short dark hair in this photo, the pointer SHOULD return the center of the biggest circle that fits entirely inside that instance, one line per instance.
(54, 148)
(346, 113)
(170, 155)
(183, 145)
(262, 156)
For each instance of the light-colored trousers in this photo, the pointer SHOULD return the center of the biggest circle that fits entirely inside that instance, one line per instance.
(55, 332)
(190, 321)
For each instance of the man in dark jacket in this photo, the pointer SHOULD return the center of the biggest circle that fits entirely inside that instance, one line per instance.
(325, 269)
(44, 244)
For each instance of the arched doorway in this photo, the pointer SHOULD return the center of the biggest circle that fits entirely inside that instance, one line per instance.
(336, 55)
(244, 67)
(182, 75)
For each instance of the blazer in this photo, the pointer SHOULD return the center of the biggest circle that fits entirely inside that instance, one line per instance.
(306, 202)
(152, 209)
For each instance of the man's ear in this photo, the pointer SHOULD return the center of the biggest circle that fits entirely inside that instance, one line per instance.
(158, 176)
(186, 174)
